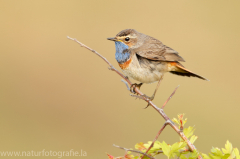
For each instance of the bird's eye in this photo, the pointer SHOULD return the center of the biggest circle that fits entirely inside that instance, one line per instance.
(127, 39)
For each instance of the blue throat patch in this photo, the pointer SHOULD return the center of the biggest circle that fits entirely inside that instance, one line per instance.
(122, 54)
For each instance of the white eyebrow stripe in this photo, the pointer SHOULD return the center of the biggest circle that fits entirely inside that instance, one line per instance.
(130, 36)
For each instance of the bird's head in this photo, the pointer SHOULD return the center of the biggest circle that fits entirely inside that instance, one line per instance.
(128, 37)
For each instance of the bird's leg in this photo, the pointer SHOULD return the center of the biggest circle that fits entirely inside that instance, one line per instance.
(152, 97)
(133, 86)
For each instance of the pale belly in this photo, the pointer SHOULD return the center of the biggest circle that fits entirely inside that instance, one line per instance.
(143, 75)
(144, 70)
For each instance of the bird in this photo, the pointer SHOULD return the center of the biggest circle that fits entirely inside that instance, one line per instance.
(146, 59)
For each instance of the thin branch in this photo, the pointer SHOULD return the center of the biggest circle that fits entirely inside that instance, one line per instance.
(134, 151)
(111, 66)
(82, 45)
(126, 84)
(170, 96)
(159, 110)
(160, 131)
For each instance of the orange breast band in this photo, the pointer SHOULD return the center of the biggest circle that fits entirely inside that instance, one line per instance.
(126, 64)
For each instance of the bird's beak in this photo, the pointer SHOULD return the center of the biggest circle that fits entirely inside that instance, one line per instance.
(112, 39)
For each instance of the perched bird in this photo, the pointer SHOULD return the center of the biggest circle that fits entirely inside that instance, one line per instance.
(146, 59)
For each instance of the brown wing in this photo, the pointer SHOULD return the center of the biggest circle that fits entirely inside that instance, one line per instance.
(154, 49)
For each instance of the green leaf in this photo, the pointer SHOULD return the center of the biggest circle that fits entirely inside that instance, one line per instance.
(179, 120)
(225, 156)
(205, 156)
(193, 155)
(140, 146)
(183, 157)
(157, 143)
(184, 121)
(165, 148)
(214, 157)
(193, 139)
(217, 152)
(174, 149)
(228, 148)
(188, 132)
(155, 147)
(185, 152)
(148, 144)
(236, 153)
(129, 152)
(175, 121)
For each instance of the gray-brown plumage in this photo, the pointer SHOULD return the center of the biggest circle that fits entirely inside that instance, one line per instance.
(145, 58)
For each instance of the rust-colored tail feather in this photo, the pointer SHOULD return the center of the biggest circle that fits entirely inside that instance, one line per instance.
(179, 69)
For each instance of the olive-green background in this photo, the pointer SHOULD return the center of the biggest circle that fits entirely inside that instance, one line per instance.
(55, 95)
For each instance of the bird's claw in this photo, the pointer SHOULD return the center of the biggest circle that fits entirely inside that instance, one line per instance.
(132, 89)
(147, 106)
(149, 99)
(133, 86)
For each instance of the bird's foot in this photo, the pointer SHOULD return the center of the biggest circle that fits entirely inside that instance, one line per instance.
(132, 89)
(149, 99)
(133, 86)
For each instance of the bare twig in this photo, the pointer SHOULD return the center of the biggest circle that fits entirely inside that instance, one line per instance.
(159, 110)
(170, 96)
(126, 84)
(111, 66)
(134, 151)
(160, 131)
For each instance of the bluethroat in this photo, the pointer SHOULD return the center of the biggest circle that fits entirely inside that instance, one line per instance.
(146, 59)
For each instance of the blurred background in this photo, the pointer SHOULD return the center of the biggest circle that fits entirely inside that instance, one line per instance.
(55, 95)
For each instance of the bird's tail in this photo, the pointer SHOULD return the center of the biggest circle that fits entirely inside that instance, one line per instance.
(178, 69)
